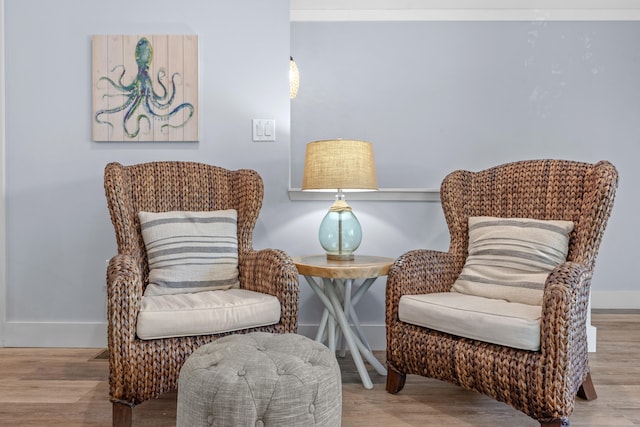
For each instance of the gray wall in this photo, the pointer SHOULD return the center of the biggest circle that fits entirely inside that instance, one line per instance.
(438, 96)
(433, 96)
(470, 95)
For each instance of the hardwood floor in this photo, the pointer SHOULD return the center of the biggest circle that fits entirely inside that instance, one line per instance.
(68, 387)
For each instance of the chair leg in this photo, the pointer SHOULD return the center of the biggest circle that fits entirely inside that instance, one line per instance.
(556, 423)
(395, 380)
(587, 391)
(122, 414)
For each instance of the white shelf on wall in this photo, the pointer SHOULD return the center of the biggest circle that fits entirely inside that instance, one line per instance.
(383, 195)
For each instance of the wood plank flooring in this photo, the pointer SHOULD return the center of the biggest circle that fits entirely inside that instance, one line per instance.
(68, 387)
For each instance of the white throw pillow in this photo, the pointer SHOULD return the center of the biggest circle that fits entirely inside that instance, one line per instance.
(510, 258)
(190, 251)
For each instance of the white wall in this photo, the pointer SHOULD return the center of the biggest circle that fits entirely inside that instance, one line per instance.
(58, 231)
(59, 235)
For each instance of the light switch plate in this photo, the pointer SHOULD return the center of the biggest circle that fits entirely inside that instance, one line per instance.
(264, 130)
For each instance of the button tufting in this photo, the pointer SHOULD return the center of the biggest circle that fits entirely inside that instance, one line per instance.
(290, 397)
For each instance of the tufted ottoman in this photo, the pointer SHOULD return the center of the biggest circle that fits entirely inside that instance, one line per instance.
(260, 379)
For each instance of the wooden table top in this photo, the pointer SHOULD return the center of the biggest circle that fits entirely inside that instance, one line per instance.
(361, 267)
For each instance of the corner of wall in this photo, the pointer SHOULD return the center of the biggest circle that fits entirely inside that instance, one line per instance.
(3, 264)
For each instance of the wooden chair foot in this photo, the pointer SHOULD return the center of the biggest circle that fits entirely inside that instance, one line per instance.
(395, 380)
(556, 423)
(122, 414)
(587, 391)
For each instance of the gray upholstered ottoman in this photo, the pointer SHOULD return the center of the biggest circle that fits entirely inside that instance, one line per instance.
(260, 379)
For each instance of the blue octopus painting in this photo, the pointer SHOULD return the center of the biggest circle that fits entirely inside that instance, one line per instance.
(142, 103)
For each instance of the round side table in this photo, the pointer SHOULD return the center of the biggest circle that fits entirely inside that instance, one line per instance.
(335, 290)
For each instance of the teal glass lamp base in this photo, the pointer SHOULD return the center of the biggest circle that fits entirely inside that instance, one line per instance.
(340, 233)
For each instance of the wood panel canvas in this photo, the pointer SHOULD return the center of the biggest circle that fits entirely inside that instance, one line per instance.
(145, 87)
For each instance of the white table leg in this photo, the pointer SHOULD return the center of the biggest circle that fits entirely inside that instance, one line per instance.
(331, 338)
(362, 289)
(338, 301)
(331, 330)
(370, 357)
(334, 330)
(338, 286)
(350, 338)
(340, 343)
(347, 285)
(349, 311)
(323, 326)
(358, 328)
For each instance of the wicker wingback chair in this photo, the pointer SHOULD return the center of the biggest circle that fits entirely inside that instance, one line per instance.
(542, 384)
(144, 369)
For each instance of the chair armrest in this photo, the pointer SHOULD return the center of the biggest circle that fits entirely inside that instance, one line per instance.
(423, 271)
(124, 295)
(272, 271)
(564, 310)
(420, 271)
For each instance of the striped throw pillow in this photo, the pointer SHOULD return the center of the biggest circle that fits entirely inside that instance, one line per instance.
(190, 251)
(510, 258)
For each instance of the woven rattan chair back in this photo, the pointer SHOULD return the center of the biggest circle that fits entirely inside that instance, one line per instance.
(541, 189)
(178, 186)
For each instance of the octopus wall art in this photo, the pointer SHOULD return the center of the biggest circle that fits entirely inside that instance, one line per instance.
(145, 88)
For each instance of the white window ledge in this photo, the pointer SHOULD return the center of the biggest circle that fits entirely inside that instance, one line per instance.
(382, 195)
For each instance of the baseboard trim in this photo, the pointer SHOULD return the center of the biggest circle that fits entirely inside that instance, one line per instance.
(615, 300)
(62, 334)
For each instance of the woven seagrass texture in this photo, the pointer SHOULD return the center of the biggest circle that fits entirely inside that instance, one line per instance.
(140, 370)
(542, 384)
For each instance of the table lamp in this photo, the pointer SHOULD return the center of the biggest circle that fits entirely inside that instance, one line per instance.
(339, 165)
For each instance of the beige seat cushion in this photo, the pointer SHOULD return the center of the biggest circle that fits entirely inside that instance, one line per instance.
(202, 313)
(490, 320)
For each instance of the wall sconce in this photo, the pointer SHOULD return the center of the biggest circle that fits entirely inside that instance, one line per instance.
(339, 165)
(294, 78)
